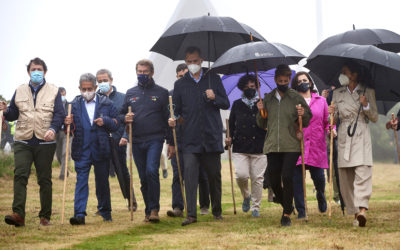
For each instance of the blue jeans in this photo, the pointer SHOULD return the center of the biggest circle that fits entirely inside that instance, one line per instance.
(101, 172)
(318, 177)
(147, 159)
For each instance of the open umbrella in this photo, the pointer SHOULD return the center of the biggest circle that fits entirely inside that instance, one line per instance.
(266, 78)
(213, 35)
(384, 67)
(384, 39)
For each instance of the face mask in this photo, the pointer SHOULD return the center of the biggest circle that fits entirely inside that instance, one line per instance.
(344, 80)
(303, 87)
(143, 78)
(63, 99)
(88, 96)
(37, 76)
(249, 93)
(104, 87)
(194, 68)
(282, 88)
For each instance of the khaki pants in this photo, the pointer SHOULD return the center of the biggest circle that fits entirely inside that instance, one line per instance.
(250, 166)
(356, 187)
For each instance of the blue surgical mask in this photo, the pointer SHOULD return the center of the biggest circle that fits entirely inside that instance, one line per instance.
(143, 78)
(63, 99)
(37, 76)
(104, 87)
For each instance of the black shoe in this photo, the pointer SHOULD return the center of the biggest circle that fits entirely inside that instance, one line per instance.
(175, 213)
(218, 217)
(107, 219)
(285, 221)
(77, 220)
(189, 220)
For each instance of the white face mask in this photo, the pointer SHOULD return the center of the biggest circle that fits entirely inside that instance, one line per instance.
(344, 80)
(88, 96)
(194, 68)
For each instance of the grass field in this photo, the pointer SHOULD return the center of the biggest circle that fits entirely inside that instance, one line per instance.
(234, 232)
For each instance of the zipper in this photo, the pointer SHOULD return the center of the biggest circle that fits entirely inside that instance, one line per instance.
(279, 112)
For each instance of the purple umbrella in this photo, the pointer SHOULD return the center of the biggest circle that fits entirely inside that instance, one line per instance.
(266, 78)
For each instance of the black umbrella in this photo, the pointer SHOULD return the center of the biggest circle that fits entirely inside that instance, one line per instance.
(211, 34)
(255, 56)
(384, 67)
(118, 169)
(384, 39)
(262, 55)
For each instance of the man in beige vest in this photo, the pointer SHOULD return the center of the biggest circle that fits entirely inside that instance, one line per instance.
(38, 109)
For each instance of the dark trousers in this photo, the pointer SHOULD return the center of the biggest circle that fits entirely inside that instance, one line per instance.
(101, 171)
(211, 162)
(280, 171)
(204, 191)
(42, 157)
(318, 177)
(147, 159)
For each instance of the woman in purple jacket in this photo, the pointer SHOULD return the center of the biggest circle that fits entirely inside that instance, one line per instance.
(315, 155)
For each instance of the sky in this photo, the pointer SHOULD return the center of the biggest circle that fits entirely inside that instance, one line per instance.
(79, 36)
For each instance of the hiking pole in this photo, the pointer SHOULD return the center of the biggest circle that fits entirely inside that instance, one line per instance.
(66, 167)
(303, 166)
(130, 166)
(171, 111)
(396, 138)
(1, 123)
(330, 167)
(230, 165)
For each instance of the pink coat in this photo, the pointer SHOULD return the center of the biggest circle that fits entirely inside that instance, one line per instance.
(315, 151)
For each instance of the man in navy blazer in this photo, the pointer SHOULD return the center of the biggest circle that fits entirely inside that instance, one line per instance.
(93, 118)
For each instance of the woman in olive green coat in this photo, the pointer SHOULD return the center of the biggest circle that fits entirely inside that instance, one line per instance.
(282, 146)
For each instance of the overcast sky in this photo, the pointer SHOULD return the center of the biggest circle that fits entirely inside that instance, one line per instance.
(78, 36)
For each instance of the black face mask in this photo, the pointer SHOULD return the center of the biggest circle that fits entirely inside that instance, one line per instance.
(303, 87)
(249, 93)
(282, 88)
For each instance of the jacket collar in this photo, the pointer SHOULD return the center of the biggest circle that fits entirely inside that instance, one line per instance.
(148, 85)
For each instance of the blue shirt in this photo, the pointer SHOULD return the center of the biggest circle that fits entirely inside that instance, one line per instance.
(201, 75)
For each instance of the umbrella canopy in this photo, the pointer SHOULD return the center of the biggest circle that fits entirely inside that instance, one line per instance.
(384, 39)
(266, 78)
(213, 35)
(384, 67)
(265, 55)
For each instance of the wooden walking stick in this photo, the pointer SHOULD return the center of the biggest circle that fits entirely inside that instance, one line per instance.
(171, 111)
(396, 138)
(66, 167)
(230, 165)
(303, 166)
(130, 166)
(330, 167)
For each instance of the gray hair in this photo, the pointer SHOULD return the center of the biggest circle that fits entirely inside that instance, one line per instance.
(104, 71)
(87, 77)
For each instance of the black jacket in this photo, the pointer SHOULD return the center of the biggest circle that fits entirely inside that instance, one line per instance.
(202, 124)
(247, 137)
(150, 105)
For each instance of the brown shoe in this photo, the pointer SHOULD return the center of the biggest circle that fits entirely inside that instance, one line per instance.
(146, 219)
(154, 216)
(15, 219)
(175, 213)
(44, 222)
(189, 220)
(362, 219)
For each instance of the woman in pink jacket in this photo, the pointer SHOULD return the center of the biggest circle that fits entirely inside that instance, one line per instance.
(315, 151)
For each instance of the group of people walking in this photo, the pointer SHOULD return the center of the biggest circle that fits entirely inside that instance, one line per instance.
(265, 135)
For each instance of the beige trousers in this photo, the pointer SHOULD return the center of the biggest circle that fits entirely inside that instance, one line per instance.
(356, 187)
(250, 166)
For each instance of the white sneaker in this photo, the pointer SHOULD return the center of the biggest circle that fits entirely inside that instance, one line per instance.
(355, 223)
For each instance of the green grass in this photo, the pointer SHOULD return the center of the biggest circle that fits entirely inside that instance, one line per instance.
(6, 164)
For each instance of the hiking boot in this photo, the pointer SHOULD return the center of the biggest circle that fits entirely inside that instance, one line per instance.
(285, 221)
(204, 211)
(218, 217)
(175, 213)
(77, 220)
(44, 222)
(246, 204)
(255, 213)
(362, 219)
(154, 216)
(189, 220)
(146, 219)
(14, 219)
